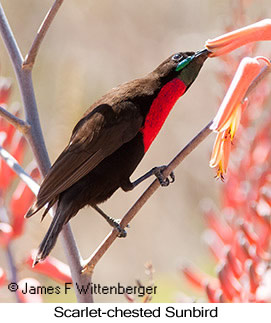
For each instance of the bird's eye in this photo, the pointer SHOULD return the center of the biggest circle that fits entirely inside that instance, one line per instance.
(177, 57)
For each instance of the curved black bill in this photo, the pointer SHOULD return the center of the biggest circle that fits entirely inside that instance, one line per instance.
(203, 52)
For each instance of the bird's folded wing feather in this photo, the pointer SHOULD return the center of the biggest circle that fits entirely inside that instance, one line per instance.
(94, 138)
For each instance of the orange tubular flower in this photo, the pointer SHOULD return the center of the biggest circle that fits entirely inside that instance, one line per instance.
(226, 43)
(228, 113)
(221, 153)
(228, 116)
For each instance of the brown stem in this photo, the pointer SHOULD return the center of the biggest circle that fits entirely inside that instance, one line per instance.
(31, 56)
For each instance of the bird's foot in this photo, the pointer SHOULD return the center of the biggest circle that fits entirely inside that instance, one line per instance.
(163, 180)
(115, 223)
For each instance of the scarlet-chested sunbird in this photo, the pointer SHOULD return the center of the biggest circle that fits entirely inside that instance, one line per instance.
(109, 142)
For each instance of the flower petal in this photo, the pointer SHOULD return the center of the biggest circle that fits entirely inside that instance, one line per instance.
(226, 153)
(236, 118)
(217, 150)
(258, 31)
(248, 69)
(50, 267)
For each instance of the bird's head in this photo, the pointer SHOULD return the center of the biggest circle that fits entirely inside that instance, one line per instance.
(183, 65)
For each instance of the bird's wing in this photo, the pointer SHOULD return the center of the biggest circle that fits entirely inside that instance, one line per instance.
(95, 137)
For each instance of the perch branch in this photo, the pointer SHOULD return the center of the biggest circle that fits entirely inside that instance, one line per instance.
(18, 123)
(32, 54)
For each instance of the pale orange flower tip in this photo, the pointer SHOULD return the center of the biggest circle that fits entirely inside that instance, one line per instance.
(259, 31)
(228, 117)
(217, 150)
(221, 153)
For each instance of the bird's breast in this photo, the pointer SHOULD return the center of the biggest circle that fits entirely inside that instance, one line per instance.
(160, 109)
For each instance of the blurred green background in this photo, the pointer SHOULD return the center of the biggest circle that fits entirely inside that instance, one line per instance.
(91, 47)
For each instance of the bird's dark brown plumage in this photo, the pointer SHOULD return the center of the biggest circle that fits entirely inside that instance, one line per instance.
(105, 147)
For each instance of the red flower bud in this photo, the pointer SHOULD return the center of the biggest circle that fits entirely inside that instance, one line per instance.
(196, 277)
(229, 285)
(214, 295)
(50, 267)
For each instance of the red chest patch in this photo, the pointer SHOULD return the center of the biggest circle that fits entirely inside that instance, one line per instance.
(160, 109)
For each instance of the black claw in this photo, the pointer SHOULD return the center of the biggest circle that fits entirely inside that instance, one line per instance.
(164, 181)
(122, 232)
(115, 223)
(119, 220)
(172, 176)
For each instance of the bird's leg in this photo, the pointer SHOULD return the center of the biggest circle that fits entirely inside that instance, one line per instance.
(156, 171)
(113, 222)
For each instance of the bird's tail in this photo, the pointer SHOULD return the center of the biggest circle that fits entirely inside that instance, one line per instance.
(62, 216)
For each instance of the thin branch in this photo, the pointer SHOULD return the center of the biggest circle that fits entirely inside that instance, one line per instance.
(13, 164)
(32, 54)
(18, 123)
(24, 79)
(9, 40)
(91, 262)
